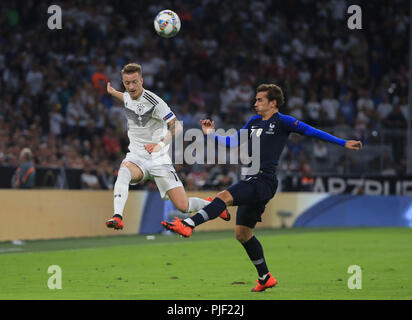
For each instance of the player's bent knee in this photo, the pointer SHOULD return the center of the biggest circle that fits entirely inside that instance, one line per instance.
(242, 234)
(128, 165)
(136, 172)
(241, 237)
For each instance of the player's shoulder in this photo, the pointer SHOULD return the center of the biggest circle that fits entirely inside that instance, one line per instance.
(254, 119)
(288, 122)
(251, 121)
(152, 98)
(286, 118)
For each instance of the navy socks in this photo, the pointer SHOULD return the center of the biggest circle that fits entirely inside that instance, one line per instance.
(255, 252)
(209, 212)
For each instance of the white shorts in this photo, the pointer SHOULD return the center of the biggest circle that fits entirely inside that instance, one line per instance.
(159, 169)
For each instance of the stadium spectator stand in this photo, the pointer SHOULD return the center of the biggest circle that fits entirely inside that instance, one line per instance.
(348, 82)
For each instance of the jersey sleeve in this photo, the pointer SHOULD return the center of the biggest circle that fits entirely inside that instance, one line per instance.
(234, 140)
(163, 112)
(292, 125)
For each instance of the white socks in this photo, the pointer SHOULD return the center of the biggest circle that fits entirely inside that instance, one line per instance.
(195, 204)
(121, 190)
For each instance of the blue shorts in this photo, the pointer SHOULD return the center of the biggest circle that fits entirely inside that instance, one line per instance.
(251, 196)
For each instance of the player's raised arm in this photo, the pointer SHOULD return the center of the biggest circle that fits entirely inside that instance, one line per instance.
(300, 127)
(208, 128)
(114, 93)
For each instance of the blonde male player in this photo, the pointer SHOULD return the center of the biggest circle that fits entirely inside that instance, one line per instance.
(151, 127)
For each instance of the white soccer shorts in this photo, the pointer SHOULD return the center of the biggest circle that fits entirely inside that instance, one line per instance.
(159, 169)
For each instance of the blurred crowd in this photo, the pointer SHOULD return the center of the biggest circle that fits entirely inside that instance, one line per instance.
(53, 96)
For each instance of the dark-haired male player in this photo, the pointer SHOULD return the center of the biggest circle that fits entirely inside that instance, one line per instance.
(252, 194)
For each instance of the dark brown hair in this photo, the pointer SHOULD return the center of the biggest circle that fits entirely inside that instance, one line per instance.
(273, 92)
(132, 68)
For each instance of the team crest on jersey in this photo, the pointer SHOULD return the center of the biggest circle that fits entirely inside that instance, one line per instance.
(139, 115)
(271, 128)
(139, 109)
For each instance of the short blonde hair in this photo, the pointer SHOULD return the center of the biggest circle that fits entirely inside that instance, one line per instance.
(132, 68)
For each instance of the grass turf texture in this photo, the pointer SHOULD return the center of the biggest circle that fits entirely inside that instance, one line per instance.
(308, 263)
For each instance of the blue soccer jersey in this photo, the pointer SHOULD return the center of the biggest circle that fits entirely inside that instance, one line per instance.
(273, 135)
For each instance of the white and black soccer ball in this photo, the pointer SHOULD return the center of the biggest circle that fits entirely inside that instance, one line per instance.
(167, 23)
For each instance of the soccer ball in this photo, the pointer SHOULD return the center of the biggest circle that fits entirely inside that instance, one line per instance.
(167, 23)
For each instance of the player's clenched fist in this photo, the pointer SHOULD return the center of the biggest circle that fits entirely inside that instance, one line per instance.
(208, 126)
(152, 147)
(353, 145)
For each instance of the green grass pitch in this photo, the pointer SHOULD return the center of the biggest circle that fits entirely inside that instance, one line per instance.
(308, 263)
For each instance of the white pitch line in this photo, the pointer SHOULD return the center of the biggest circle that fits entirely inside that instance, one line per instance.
(11, 250)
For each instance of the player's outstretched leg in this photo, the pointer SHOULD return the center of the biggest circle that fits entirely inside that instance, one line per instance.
(196, 204)
(209, 212)
(225, 215)
(187, 205)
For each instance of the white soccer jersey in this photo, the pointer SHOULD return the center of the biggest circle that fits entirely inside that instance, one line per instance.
(147, 119)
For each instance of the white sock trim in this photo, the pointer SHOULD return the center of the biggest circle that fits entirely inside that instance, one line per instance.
(204, 215)
(256, 262)
(190, 222)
